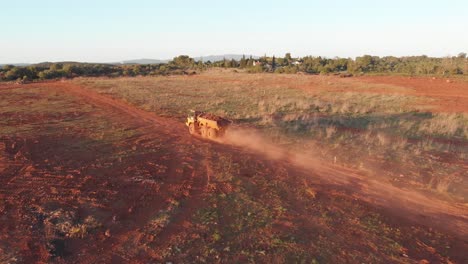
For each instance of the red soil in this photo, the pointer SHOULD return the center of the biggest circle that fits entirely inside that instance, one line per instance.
(27, 178)
(450, 95)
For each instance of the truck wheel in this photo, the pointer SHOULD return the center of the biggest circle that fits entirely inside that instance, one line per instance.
(204, 132)
(191, 129)
(212, 133)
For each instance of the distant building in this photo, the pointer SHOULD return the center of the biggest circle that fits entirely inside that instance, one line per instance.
(255, 63)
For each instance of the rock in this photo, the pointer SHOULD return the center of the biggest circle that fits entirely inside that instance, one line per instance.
(107, 233)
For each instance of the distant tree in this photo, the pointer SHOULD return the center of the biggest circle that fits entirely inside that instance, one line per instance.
(55, 66)
(233, 63)
(25, 79)
(69, 69)
(250, 61)
(127, 71)
(7, 67)
(183, 61)
(243, 62)
(279, 61)
(51, 74)
(273, 63)
(16, 73)
(138, 70)
(365, 63)
(287, 59)
(163, 68)
(200, 65)
(12, 74)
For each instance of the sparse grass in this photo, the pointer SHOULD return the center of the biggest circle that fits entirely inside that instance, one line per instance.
(353, 126)
(446, 125)
(61, 223)
(9, 256)
(259, 222)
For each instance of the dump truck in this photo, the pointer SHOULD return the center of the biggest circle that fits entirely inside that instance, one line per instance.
(207, 125)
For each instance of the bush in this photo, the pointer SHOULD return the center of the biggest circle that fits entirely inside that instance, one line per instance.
(52, 74)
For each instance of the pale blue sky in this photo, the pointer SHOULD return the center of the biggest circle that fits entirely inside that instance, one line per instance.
(107, 31)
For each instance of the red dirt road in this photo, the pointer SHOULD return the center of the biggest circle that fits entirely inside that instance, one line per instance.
(43, 171)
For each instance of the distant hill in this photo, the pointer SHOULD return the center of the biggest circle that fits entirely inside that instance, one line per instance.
(214, 58)
(142, 61)
(127, 62)
(47, 64)
(211, 58)
(15, 64)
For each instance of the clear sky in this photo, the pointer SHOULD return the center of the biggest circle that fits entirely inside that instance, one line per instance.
(115, 30)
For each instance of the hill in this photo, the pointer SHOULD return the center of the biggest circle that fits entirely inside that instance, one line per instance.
(142, 61)
(15, 64)
(213, 58)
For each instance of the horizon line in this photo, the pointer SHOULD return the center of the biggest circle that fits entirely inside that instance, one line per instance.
(220, 55)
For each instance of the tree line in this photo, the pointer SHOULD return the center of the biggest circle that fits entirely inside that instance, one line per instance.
(413, 65)
(367, 64)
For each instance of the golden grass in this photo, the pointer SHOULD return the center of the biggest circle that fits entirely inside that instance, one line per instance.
(351, 124)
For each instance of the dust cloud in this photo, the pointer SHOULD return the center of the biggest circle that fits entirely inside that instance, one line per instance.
(252, 140)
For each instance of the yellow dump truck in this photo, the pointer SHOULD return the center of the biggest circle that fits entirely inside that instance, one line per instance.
(207, 125)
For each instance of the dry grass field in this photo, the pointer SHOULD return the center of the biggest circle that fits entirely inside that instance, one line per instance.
(409, 131)
(317, 169)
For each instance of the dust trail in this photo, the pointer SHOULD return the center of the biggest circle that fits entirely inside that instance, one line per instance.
(410, 204)
(250, 139)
